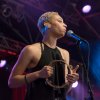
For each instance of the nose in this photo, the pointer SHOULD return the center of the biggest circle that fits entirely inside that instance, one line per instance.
(65, 25)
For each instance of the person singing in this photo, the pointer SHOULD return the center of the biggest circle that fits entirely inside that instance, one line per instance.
(35, 59)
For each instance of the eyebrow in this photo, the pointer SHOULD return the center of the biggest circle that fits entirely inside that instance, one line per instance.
(60, 19)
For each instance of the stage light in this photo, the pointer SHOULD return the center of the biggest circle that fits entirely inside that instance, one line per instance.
(74, 85)
(86, 9)
(2, 63)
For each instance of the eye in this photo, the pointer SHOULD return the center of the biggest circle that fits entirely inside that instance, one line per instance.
(60, 21)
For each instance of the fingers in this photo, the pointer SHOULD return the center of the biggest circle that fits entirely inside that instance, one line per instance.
(49, 69)
(72, 77)
(75, 69)
(46, 72)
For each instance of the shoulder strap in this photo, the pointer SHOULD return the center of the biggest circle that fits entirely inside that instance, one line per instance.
(42, 49)
(59, 56)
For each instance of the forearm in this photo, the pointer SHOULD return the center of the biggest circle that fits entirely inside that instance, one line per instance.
(68, 88)
(19, 80)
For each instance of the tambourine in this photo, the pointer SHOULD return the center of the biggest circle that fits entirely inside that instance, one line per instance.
(57, 79)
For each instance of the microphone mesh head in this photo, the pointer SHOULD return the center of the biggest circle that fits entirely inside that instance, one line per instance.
(69, 32)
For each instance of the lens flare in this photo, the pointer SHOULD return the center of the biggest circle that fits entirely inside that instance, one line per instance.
(2, 63)
(74, 85)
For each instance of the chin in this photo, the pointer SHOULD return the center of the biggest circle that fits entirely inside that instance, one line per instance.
(61, 35)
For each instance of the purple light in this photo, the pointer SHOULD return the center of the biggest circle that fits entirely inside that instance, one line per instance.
(86, 9)
(74, 85)
(2, 63)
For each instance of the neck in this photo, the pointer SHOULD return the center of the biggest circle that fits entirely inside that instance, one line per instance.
(50, 41)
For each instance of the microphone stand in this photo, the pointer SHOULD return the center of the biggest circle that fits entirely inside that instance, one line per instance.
(91, 97)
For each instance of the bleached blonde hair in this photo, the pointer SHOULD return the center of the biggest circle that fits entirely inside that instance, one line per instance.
(43, 18)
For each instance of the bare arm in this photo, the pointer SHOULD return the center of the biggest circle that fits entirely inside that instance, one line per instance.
(27, 55)
(73, 76)
(67, 59)
(16, 78)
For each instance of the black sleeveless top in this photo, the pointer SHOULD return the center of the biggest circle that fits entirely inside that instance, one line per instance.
(38, 89)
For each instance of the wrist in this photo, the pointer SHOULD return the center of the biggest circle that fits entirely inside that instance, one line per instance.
(38, 75)
(25, 78)
(31, 77)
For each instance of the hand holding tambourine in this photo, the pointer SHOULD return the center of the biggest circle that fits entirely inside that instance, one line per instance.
(73, 76)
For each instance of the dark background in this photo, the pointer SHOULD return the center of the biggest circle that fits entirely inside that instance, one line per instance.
(18, 28)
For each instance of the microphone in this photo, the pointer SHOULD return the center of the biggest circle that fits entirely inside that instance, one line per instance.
(71, 34)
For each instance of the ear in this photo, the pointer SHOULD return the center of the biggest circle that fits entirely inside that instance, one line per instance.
(47, 24)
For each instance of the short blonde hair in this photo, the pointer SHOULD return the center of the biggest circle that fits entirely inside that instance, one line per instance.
(43, 18)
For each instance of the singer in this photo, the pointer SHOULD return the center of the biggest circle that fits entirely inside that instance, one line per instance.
(35, 59)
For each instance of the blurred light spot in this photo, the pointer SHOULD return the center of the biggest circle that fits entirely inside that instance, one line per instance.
(86, 9)
(95, 63)
(74, 85)
(70, 98)
(2, 63)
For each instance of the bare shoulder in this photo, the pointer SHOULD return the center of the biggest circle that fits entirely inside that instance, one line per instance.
(33, 48)
(31, 52)
(65, 52)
